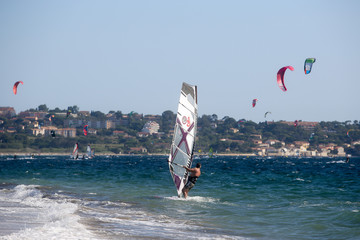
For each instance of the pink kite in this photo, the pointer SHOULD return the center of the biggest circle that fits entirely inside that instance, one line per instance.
(280, 77)
(16, 85)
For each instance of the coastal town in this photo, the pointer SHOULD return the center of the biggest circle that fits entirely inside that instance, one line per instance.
(133, 133)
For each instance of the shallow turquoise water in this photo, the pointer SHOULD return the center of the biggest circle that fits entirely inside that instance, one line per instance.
(134, 197)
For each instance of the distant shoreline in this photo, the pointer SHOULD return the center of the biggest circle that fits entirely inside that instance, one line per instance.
(122, 154)
(154, 154)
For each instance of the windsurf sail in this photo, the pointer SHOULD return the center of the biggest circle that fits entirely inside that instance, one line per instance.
(182, 145)
(74, 154)
(88, 151)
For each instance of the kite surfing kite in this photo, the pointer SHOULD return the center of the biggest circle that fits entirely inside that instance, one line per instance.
(308, 65)
(311, 136)
(51, 117)
(347, 133)
(296, 123)
(240, 122)
(266, 114)
(280, 77)
(254, 102)
(16, 86)
(86, 130)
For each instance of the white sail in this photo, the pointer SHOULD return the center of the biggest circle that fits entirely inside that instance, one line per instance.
(75, 151)
(182, 146)
(88, 151)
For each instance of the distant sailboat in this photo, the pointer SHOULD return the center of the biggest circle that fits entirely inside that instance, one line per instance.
(75, 153)
(89, 152)
(182, 146)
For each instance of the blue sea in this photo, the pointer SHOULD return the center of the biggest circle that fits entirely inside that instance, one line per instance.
(133, 197)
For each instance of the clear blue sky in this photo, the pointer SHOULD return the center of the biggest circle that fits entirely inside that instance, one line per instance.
(134, 56)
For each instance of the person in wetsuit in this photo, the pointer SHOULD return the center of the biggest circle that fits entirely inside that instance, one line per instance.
(194, 175)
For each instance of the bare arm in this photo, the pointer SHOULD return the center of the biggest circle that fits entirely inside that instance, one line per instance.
(189, 169)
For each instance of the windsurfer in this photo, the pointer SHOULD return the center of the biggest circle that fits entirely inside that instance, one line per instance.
(194, 175)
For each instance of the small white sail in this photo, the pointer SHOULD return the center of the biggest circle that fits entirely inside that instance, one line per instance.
(88, 151)
(182, 146)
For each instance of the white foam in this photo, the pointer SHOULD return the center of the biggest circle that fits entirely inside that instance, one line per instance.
(41, 217)
(300, 179)
(339, 161)
(194, 199)
(58, 217)
(132, 223)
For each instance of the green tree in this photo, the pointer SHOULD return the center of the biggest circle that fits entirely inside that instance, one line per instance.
(118, 114)
(74, 109)
(43, 108)
(98, 115)
(167, 121)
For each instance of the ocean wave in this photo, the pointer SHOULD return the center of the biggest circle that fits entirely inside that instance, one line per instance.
(130, 222)
(41, 217)
(300, 179)
(339, 161)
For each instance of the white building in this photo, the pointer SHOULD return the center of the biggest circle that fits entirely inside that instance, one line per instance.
(46, 131)
(151, 127)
